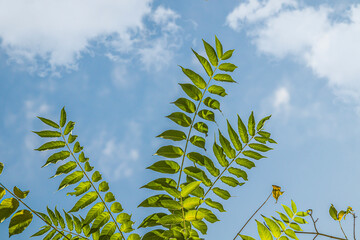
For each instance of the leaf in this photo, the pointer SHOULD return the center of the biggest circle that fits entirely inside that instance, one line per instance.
(244, 237)
(201, 127)
(87, 167)
(218, 90)
(96, 176)
(295, 226)
(174, 135)
(109, 197)
(219, 154)
(165, 166)
(50, 235)
(160, 184)
(193, 215)
(185, 105)
(95, 211)
(200, 225)
(49, 134)
(2, 192)
(66, 168)
(84, 201)
(211, 167)
(251, 124)
(20, 194)
(223, 78)
(60, 218)
(69, 127)
(151, 220)
(1, 167)
(198, 174)
(108, 230)
(283, 217)
(62, 117)
(154, 201)
(189, 188)
(234, 137)
(71, 179)
(57, 157)
(252, 154)
(192, 202)
(196, 158)
(171, 204)
(133, 236)
(293, 206)
(103, 186)
(242, 131)
(51, 145)
(212, 103)
(154, 235)
(116, 207)
(264, 233)
(42, 231)
(52, 216)
(228, 67)
(204, 63)
(194, 77)
(229, 151)
(221, 193)
(7, 207)
(227, 55)
(245, 163)
(274, 228)
(261, 123)
(214, 204)
(192, 91)
(219, 48)
(261, 139)
(77, 147)
(170, 219)
(300, 220)
(49, 122)
(81, 188)
(180, 119)
(69, 221)
(19, 222)
(259, 147)
(210, 52)
(170, 151)
(198, 141)
(231, 181)
(333, 212)
(288, 211)
(82, 157)
(207, 115)
(72, 138)
(100, 221)
(78, 225)
(290, 233)
(208, 215)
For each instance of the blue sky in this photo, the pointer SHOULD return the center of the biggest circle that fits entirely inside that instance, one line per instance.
(113, 64)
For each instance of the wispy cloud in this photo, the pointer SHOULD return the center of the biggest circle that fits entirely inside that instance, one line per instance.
(311, 35)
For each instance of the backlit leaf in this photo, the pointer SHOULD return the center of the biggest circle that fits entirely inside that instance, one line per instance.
(19, 193)
(185, 105)
(95, 211)
(251, 124)
(180, 119)
(212, 103)
(198, 174)
(57, 157)
(165, 166)
(214, 204)
(96, 176)
(274, 228)
(194, 77)
(51, 145)
(264, 233)
(211, 167)
(234, 137)
(204, 62)
(189, 188)
(81, 188)
(207, 115)
(116, 207)
(218, 90)
(210, 52)
(174, 135)
(245, 163)
(71, 179)
(192, 202)
(242, 131)
(238, 172)
(49, 122)
(221, 193)
(7, 207)
(200, 225)
(201, 127)
(48, 134)
(259, 147)
(219, 48)
(231, 181)
(261, 123)
(62, 117)
(192, 91)
(219, 154)
(228, 67)
(227, 55)
(198, 141)
(154, 201)
(252, 154)
(100, 221)
(65, 168)
(170, 151)
(223, 78)
(103, 186)
(109, 197)
(69, 127)
(19, 222)
(229, 151)
(84, 201)
(152, 220)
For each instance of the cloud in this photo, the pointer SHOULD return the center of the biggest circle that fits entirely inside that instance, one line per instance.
(48, 34)
(281, 99)
(310, 35)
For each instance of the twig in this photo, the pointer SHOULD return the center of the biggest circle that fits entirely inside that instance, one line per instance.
(320, 234)
(342, 230)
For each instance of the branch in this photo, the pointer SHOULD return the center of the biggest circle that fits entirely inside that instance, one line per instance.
(320, 234)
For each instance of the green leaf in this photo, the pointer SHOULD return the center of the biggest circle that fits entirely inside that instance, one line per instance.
(7, 207)
(219, 48)
(108, 230)
(261, 123)
(333, 212)
(264, 233)
(185, 105)
(211, 167)
(95, 211)
(245, 163)
(227, 55)
(293, 206)
(1, 167)
(49, 122)
(174, 135)
(283, 217)
(200, 225)
(242, 131)
(151, 220)
(62, 117)
(231, 181)
(228, 67)
(212, 103)
(170, 219)
(198, 174)
(290, 233)
(50, 235)
(214, 204)
(69, 221)
(208, 215)
(171, 204)
(244, 237)
(221, 193)
(71, 179)
(2, 192)
(78, 225)
(42, 231)
(77, 147)
(72, 138)
(116, 207)
(52, 216)
(50, 134)
(259, 147)
(170, 151)
(96, 176)
(288, 211)
(229, 151)
(84, 201)
(238, 172)
(154, 235)
(45, 217)
(57, 157)
(81, 188)
(207, 115)
(100, 221)
(82, 157)
(219, 154)
(234, 137)
(133, 236)
(87, 167)
(261, 139)
(218, 90)
(274, 228)
(103, 186)
(198, 141)
(206, 65)
(165, 166)
(210, 52)
(109, 197)
(195, 78)
(201, 127)
(160, 184)
(51, 145)
(60, 218)
(192, 202)
(193, 215)
(154, 201)
(196, 158)
(300, 220)
(180, 119)
(19, 222)
(189, 188)
(66, 168)
(192, 91)
(252, 154)
(20, 194)
(295, 226)
(69, 127)
(251, 124)
(223, 78)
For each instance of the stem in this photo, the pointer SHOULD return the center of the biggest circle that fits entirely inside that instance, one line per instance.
(320, 234)
(342, 230)
(191, 126)
(34, 212)
(92, 184)
(252, 216)
(354, 225)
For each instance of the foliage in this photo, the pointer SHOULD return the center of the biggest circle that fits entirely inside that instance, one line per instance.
(199, 172)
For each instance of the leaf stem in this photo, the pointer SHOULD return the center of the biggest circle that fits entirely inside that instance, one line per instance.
(92, 184)
(252, 216)
(354, 225)
(320, 234)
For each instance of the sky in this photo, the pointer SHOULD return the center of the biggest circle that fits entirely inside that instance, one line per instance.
(113, 64)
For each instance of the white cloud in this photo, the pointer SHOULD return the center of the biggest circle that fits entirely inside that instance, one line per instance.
(281, 99)
(310, 35)
(50, 34)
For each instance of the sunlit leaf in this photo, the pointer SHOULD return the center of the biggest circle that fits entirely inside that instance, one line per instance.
(227, 55)
(180, 119)
(212, 103)
(274, 228)
(192, 202)
(100, 221)
(264, 233)
(84, 201)
(116, 207)
(218, 90)
(259, 147)
(228, 67)
(194, 77)
(51, 145)
(174, 135)
(109, 197)
(103, 186)
(198, 141)
(49, 122)
(207, 115)
(219, 154)
(95, 211)
(221, 193)
(49, 134)
(198, 174)
(62, 117)
(204, 63)
(238, 172)
(210, 52)
(165, 166)
(201, 127)
(261, 123)
(200, 225)
(252, 154)
(71, 179)
(219, 48)
(154, 201)
(211, 167)
(189, 188)
(96, 176)
(245, 163)
(231, 181)
(7, 207)
(152, 220)
(170, 151)
(81, 188)
(185, 105)
(69, 127)
(242, 131)
(20, 194)
(65, 168)
(251, 124)
(234, 137)
(192, 91)
(223, 78)
(229, 151)
(19, 222)
(72, 138)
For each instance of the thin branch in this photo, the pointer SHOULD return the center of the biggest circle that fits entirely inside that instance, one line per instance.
(342, 230)
(354, 225)
(319, 234)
